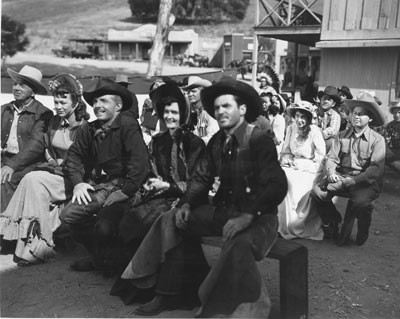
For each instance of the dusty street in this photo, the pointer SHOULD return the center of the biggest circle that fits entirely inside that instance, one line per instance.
(344, 282)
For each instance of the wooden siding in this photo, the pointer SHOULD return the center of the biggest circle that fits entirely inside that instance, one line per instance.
(361, 19)
(362, 68)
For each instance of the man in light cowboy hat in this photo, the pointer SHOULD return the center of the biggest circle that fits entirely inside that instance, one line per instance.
(244, 209)
(331, 118)
(392, 135)
(21, 119)
(354, 166)
(204, 125)
(112, 147)
(123, 80)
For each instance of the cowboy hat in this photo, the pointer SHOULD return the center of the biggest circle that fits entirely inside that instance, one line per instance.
(68, 82)
(304, 106)
(346, 91)
(103, 86)
(333, 93)
(122, 79)
(228, 85)
(196, 81)
(31, 77)
(170, 89)
(394, 105)
(368, 102)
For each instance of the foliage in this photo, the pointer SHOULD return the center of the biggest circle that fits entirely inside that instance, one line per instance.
(13, 37)
(193, 11)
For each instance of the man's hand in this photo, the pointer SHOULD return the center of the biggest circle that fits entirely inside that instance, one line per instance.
(115, 197)
(236, 225)
(333, 178)
(156, 184)
(81, 194)
(6, 174)
(182, 216)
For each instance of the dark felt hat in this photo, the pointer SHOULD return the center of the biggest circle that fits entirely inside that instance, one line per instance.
(394, 105)
(333, 93)
(368, 102)
(228, 85)
(170, 89)
(346, 91)
(103, 86)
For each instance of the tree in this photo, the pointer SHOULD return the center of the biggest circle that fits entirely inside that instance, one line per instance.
(160, 39)
(13, 37)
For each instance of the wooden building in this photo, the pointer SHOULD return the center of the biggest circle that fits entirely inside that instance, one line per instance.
(134, 44)
(359, 40)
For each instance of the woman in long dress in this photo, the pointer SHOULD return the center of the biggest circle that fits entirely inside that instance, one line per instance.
(43, 189)
(301, 156)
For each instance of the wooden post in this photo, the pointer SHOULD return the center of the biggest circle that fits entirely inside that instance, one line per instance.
(296, 54)
(255, 46)
(160, 39)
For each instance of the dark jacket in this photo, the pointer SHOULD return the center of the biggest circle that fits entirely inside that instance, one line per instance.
(191, 151)
(256, 183)
(121, 154)
(32, 122)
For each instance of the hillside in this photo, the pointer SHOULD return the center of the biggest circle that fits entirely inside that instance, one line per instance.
(51, 22)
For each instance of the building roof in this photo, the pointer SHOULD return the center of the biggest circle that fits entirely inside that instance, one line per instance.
(146, 33)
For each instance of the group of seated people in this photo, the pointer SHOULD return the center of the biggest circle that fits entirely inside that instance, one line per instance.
(207, 159)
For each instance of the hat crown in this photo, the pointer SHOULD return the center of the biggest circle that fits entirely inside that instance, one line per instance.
(63, 78)
(195, 80)
(331, 90)
(366, 97)
(121, 78)
(31, 72)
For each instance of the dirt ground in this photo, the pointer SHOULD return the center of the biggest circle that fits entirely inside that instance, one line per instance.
(344, 282)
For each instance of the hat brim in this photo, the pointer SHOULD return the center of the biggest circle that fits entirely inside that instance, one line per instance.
(200, 83)
(36, 86)
(393, 108)
(230, 86)
(112, 89)
(378, 118)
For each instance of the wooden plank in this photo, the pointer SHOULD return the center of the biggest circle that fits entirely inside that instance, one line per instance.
(353, 15)
(370, 16)
(384, 15)
(362, 34)
(326, 16)
(338, 13)
(397, 17)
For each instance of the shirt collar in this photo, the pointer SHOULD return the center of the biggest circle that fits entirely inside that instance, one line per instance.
(25, 108)
(365, 133)
(239, 132)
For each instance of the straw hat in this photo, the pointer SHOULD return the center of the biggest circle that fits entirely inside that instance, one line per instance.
(31, 77)
(302, 105)
(196, 81)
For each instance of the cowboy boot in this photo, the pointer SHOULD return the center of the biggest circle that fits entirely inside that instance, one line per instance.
(364, 222)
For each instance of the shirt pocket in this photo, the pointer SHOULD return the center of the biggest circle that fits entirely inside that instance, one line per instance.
(345, 146)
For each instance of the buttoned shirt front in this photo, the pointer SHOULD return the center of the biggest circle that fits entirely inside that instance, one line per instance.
(330, 124)
(360, 156)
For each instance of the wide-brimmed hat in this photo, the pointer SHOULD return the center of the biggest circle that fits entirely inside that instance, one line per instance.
(170, 89)
(394, 105)
(346, 91)
(228, 85)
(31, 76)
(333, 93)
(283, 103)
(196, 81)
(304, 106)
(103, 86)
(368, 102)
(68, 81)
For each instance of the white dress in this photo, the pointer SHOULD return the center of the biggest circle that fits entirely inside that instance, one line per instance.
(296, 219)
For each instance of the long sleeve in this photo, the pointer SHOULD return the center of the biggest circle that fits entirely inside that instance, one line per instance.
(212, 128)
(286, 152)
(333, 126)
(319, 145)
(279, 128)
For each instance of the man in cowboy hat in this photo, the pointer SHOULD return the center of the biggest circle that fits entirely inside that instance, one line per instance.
(355, 166)
(112, 147)
(204, 125)
(331, 118)
(392, 134)
(20, 120)
(342, 108)
(123, 80)
(243, 213)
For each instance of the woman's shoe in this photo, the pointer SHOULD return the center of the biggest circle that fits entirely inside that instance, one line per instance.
(157, 305)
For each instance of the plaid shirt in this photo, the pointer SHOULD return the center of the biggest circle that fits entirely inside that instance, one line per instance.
(330, 124)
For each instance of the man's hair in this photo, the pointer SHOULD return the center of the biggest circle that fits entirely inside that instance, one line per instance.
(239, 100)
(118, 99)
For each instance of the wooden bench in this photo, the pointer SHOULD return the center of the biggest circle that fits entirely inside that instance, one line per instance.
(293, 275)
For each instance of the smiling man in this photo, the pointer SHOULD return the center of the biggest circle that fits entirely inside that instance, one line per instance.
(355, 167)
(113, 148)
(20, 120)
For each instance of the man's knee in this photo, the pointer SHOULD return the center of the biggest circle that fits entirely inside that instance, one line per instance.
(73, 213)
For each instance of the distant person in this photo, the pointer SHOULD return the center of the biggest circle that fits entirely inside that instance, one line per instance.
(265, 84)
(278, 123)
(331, 118)
(123, 80)
(392, 135)
(205, 126)
(20, 120)
(40, 190)
(354, 169)
(342, 108)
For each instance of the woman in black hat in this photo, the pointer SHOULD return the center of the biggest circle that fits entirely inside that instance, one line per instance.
(174, 154)
(46, 186)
